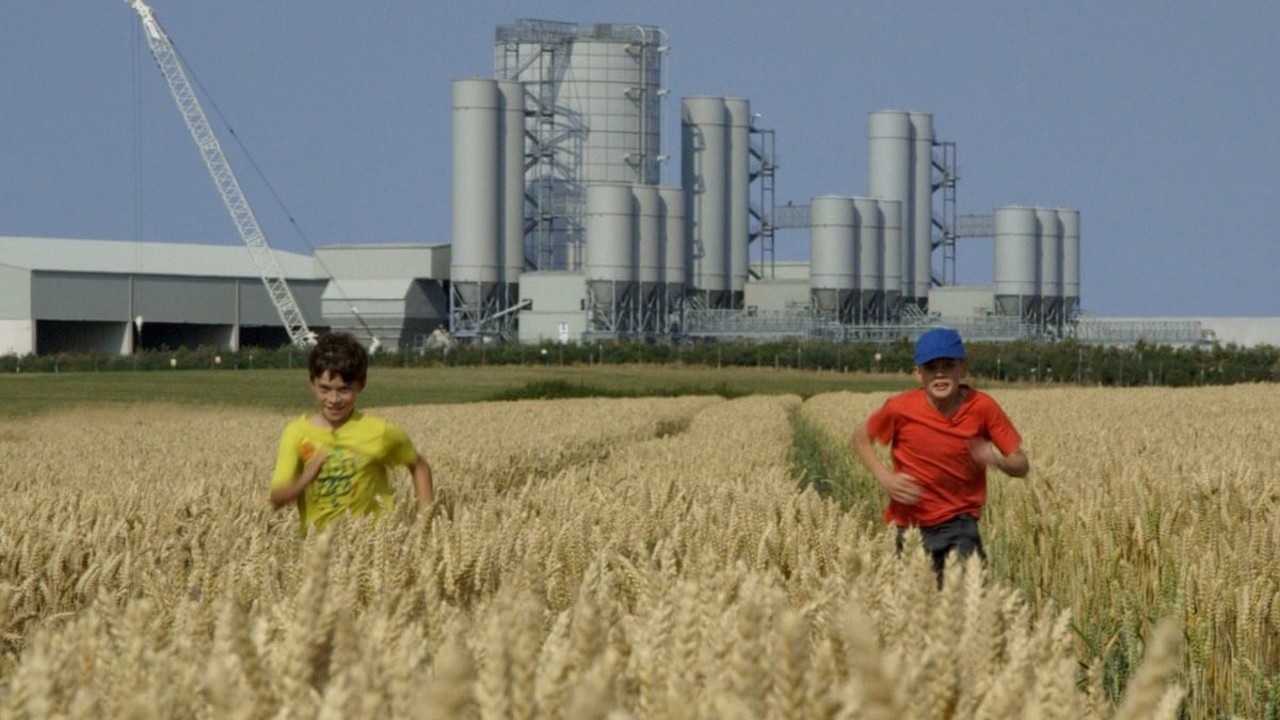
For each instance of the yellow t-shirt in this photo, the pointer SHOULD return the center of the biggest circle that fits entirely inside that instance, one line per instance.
(354, 475)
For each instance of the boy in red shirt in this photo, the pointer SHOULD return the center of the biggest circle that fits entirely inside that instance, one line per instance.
(944, 435)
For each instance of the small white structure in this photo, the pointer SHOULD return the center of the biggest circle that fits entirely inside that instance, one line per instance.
(393, 293)
(556, 310)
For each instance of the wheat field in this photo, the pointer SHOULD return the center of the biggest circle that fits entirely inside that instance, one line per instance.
(641, 558)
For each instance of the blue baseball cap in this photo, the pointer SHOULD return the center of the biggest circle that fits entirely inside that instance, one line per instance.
(939, 343)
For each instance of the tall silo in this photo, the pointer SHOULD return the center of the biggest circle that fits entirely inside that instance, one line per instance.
(921, 205)
(511, 237)
(1017, 261)
(833, 256)
(609, 261)
(704, 171)
(891, 259)
(594, 94)
(648, 239)
(889, 172)
(1070, 220)
(675, 251)
(870, 243)
(739, 195)
(1050, 267)
(477, 181)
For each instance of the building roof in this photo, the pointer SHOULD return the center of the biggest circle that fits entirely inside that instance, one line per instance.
(355, 290)
(385, 261)
(1243, 331)
(393, 245)
(145, 258)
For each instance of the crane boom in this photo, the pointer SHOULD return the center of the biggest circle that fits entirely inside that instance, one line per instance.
(223, 177)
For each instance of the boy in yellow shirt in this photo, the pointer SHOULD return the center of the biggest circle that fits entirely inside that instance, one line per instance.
(336, 460)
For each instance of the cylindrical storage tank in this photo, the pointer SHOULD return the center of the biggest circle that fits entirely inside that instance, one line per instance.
(921, 205)
(1070, 220)
(870, 242)
(1050, 266)
(648, 209)
(610, 255)
(675, 249)
(595, 101)
(604, 82)
(648, 238)
(833, 254)
(1017, 261)
(739, 194)
(511, 241)
(705, 176)
(477, 182)
(891, 258)
(889, 170)
(610, 227)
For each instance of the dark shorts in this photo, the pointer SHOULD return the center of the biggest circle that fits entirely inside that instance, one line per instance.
(959, 534)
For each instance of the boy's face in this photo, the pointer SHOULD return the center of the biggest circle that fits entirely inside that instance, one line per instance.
(335, 397)
(941, 378)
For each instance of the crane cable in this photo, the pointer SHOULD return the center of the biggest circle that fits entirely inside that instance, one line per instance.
(374, 341)
(136, 110)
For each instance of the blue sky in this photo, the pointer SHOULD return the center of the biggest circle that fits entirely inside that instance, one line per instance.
(1157, 120)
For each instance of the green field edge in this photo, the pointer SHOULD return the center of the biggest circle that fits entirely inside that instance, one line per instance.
(26, 394)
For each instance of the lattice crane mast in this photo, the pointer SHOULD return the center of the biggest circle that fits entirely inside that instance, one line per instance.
(225, 180)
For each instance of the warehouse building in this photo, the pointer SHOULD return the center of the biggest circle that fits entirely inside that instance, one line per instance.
(71, 295)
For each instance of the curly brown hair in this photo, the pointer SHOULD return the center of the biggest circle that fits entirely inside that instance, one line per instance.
(339, 354)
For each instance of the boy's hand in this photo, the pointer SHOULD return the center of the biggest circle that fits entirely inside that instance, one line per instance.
(314, 454)
(1015, 464)
(984, 453)
(902, 488)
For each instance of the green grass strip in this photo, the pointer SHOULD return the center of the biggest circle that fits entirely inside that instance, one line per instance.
(561, 389)
(829, 467)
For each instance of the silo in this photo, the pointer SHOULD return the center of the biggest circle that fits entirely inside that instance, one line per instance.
(889, 171)
(705, 175)
(870, 242)
(610, 256)
(675, 251)
(833, 255)
(891, 259)
(474, 262)
(511, 237)
(1070, 220)
(1017, 261)
(921, 205)
(739, 194)
(1050, 266)
(595, 96)
(648, 238)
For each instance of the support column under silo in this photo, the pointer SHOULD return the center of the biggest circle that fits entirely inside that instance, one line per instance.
(610, 308)
(471, 305)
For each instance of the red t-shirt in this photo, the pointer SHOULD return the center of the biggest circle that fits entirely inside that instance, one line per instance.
(934, 449)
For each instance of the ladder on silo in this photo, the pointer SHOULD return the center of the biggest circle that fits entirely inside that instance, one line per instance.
(766, 163)
(945, 177)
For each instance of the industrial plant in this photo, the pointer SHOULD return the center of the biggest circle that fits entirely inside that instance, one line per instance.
(562, 231)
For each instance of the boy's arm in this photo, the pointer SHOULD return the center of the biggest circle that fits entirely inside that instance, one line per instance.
(285, 494)
(422, 482)
(901, 487)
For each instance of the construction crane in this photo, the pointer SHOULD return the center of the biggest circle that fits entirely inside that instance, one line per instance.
(225, 180)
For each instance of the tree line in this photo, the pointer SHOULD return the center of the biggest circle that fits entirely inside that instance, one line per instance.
(1064, 362)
